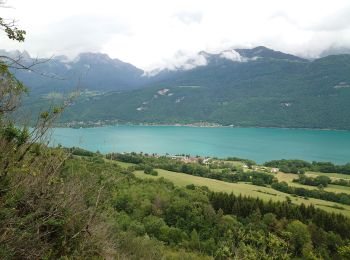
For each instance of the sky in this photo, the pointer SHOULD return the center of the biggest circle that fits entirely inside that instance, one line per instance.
(153, 33)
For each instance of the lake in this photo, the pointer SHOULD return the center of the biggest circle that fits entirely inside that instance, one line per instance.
(258, 144)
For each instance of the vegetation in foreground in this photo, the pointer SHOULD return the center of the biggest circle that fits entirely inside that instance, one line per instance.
(91, 207)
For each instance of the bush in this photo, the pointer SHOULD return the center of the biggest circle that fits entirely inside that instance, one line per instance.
(153, 173)
(190, 186)
(80, 152)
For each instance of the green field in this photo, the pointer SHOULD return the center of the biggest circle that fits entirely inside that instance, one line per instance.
(337, 188)
(234, 163)
(182, 179)
(289, 177)
(331, 175)
(265, 193)
(124, 165)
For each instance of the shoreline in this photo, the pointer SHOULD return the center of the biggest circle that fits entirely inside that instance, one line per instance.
(194, 125)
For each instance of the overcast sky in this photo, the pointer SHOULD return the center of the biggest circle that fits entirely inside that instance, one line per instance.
(148, 33)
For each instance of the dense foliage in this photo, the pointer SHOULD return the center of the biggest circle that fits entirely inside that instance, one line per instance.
(320, 181)
(315, 227)
(245, 206)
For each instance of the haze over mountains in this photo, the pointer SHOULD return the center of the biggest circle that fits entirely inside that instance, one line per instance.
(241, 87)
(93, 71)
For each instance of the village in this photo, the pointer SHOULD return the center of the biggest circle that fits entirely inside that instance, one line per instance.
(209, 160)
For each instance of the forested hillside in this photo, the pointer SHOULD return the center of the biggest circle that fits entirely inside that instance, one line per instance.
(265, 88)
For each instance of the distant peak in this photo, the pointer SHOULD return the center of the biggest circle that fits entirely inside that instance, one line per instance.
(335, 50)
(264, 52)
(61, 58)
(92, 58)
(15, 54)
(94, 55)
(204, 53)
(261, 48)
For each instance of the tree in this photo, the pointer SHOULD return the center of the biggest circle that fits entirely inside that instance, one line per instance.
(323, 180)
(344, 251)
(270, 221)
(30, 177)
(16, 142)
(299, 236)
(154, 226)
(195, 242)
(11, 29)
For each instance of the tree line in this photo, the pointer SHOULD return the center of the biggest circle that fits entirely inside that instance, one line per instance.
(300, 166)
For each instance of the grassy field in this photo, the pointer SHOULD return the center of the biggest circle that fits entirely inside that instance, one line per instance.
(234, 163)
(122, 164)
(331, 175)
(289, 177)
(338, 188)
(125, 165)
(182, 179)
(265, 193)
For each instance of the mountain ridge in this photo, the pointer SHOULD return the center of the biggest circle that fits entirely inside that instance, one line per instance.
(234, 87)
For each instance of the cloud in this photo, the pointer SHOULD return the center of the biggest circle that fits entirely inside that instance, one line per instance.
(337, 21)
(185, 61)
(189, 17)
(182, 60)
(232, 55)
(76, 34)
(333, 20)
(149, 33)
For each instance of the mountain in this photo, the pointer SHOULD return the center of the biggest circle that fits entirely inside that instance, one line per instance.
(335, 51)
(91, 71)
(240, 87)
(263, 52)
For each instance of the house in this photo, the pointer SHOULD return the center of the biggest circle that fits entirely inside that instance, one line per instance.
(189, 159)
(274, 170)
(206, 160)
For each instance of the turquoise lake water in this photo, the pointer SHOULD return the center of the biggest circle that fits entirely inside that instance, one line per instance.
(258, 144)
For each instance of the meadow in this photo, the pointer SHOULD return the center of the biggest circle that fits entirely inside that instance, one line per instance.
(289, 177)
(265, 193)
(331, 175)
